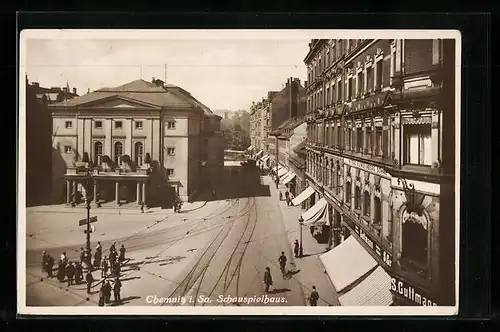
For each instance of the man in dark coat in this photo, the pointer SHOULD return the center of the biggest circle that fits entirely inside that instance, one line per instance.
(89, 279)
(116, 269)
(268, 279)
(78, 273)
(112, 260)
(313, 298)
(116, 289)
(70, 273)
(282, 261)
(121, 259)
(61, 271)
(296, 248)
(97, 258)
(49, 265)
(106, 287)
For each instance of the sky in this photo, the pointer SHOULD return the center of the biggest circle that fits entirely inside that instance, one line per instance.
(223, 74)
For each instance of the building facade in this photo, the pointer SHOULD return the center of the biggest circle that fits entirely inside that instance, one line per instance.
(142, 142)
(381, 152)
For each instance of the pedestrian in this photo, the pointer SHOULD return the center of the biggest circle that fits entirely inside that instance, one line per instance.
(106, 287)
(117, 269)
(104, 267)
(296, 248)
(97, 259)
(98, 247)
(116, 289)
(70, 273)
(78, 273)
(112, 260)
(44, 261)
(61, 271)
(64, 258)
(282, 261)
(313, 298)
(121, 259)
(82, 255)
(287, 198)
(101, 296)
(89, 279)
(49, 265)
(268, 279)
(142, 207)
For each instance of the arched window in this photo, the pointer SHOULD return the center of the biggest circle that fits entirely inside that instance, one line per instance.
(377, 207)
(139, 153)
(414, 238)
(337, 175)
(348, 192)
(98, 153)
(366, 204)
(357, 198)
(118, 153)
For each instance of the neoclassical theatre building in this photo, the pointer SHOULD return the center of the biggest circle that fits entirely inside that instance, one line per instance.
(381, 160)
(139, 143)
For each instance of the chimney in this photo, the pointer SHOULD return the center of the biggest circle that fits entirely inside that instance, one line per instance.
(74, 91)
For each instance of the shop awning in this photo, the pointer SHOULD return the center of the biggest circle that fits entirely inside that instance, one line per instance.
(338, 263)
(289, 177)
(373, 291)
(303, 196)
(266, 157)
(317, 213)
(282, 171)
(258, 153)
(250, 148)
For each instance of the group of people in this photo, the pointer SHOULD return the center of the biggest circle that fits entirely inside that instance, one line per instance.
(73, 272)
(268, 280)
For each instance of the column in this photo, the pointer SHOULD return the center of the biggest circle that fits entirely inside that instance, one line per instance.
(68, 188)
(138, 193)
(397, 139)
(435, 136)
(95, 191)
(74, 191)
(144, 193)
(117, 192)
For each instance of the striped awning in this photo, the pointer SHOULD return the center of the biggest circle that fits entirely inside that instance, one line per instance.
(289, 177)
(303, 196)
(250, 148)
(266, 157)
(338, 263)
(282, 171)
(317, 213)
(258, 153)
(373, 291)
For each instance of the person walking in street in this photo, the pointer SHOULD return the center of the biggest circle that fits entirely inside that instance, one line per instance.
(112, 261)
(104, 267)
(61, 271)
(82, 255)
(117, 269)
(296, 248)
(116, 289)
(70, 273)
(101, 296)
(106, 287)
(97, 259)
(287, 198)
(89, 279)
(313, 298)
(268, 279)
(49, 265)
(98, 247)
(78, 273)
(64, 259)
(282, 261)
(121, 258)
(112, 248)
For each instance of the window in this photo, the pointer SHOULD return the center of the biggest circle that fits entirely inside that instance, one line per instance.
(348, 192)
(360, 84)
(377, 207)
(328, 95)
(334, 93)
(98, 125)
(68, 124)
(339, 137)
(339, 93)
(359, 139)
(171, 151)
(118, 153)
(378, 141)
(170, 125)
(418, 149)
(378, 85)
(414, 238)
(68, 149)
(170, 172)
(139, 153)
(349, 139)
(369, 78)
(118, 124)
(337, 174)
(98, 152)
(138, 125)
(369, 147)
(357, 198)
(350, 86)
(366, 205)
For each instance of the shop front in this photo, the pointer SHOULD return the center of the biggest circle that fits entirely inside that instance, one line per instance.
(406, 294)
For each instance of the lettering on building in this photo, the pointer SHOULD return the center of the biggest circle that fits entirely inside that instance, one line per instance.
(383, 254)
(401, 288)
(367, 167)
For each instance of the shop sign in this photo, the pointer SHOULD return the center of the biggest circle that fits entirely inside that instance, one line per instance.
(384, 255)
(401, 288)
(367, 167)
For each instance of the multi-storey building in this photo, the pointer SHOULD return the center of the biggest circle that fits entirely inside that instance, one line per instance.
(140, 142)
(38, 138)
(381, 163)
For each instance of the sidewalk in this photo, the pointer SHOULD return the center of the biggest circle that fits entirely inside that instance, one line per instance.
(310, 266)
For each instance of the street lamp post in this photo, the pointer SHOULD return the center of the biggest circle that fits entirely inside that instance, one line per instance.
(301, 249)
(88, 199)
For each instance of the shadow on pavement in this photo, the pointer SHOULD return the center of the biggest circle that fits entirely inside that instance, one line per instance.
(123, 301)
(290, 274)
(279, 290)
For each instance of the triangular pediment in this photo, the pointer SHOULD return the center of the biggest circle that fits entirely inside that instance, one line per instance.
(118, 102)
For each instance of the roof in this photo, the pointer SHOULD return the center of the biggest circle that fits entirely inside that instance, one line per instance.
(300, 147)
(170, 96)
(285, 128)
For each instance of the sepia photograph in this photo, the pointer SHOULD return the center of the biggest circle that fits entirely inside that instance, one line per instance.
(238, 172)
